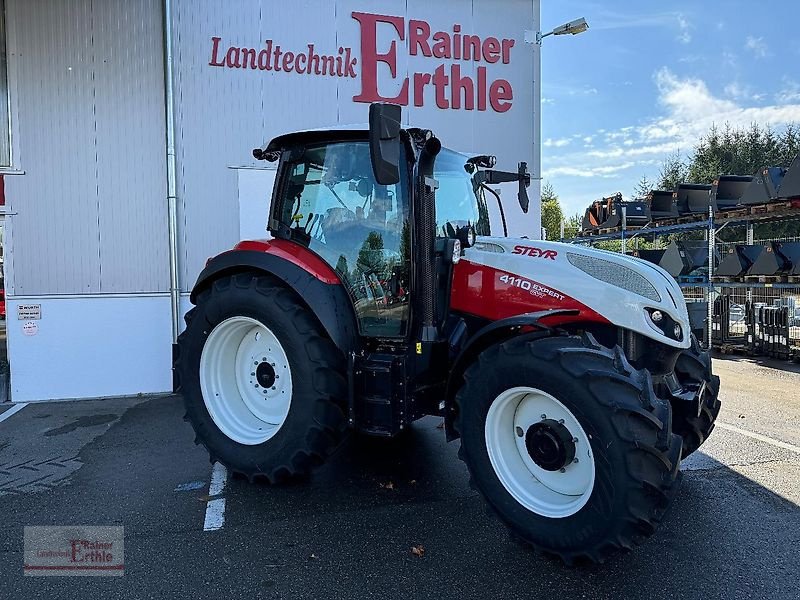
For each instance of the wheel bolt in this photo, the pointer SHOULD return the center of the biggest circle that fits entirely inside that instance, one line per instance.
(563, 470)
(277, 376)
(544, 417)
(252, 374)
(576, 460)
(273, 387)
(561, 421)
(574, 440)
(264, 358)
(519, 431)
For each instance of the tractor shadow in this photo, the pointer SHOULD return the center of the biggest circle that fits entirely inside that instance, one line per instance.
(725, 536)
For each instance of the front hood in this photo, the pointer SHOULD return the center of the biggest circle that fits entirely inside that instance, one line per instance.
(618, 288)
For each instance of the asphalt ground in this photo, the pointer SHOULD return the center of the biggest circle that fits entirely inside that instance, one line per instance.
(348, 531)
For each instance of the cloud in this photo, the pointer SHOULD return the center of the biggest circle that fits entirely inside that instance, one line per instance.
(757, 46)
(789, 93)
(606, 20)
(684, 29)
(688, 108)
(559, 143)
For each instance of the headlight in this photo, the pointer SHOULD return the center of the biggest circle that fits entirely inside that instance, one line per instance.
(615, 274)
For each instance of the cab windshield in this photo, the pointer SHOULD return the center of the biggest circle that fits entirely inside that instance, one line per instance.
(459, 199)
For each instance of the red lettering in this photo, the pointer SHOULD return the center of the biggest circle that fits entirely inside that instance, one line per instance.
(266, 66)
(534, 252)
(328, 65)
(300, 63)
(457, 42)
(232, 58)
(251, 54)
(418, 34)
(313, 60)
(350, 69)
(277, 64)
(481, 88)
(472, 47)
(440, 84)
(507, 46)
(458, 83)
(441, 49)
(420, 81)
(500, 95)
(288, 60)
(214, 49)
(339, 62)
(491, 50)
(370, 58)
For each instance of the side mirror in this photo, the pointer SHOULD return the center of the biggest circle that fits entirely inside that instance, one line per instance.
(524, 182)
(384, 142)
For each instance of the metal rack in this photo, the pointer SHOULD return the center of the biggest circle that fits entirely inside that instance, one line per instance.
(747, 217)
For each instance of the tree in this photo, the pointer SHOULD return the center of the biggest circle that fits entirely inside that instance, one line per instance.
(552, 215)
(643, 187)
(673, 171)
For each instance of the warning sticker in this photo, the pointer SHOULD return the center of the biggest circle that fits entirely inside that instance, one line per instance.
(29, 312)
(30, 328)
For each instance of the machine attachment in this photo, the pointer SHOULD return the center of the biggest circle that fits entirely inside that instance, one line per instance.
(727, 190)
(739, 260)
(693, 198)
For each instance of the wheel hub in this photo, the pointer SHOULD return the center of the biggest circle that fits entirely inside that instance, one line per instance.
(265, 375)
(549, 444)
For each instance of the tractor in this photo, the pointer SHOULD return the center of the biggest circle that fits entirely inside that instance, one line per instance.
(568, 375)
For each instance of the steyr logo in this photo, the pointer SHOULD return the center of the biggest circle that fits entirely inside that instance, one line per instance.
(534, 252)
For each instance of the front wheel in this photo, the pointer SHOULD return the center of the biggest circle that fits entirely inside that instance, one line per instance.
(264, 387)
(568, 444)
(695, 423)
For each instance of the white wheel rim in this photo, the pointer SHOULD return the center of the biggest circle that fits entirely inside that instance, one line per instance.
(232, 380)
(554, 494)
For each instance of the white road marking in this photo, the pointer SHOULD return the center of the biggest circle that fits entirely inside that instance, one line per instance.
(12, 411)
(761, 438)
(215, 507)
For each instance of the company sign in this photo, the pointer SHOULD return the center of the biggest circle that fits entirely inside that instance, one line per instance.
(452, 89)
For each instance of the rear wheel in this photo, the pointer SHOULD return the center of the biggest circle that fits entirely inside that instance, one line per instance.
(693, 369)
(568, 444)
(264, 387)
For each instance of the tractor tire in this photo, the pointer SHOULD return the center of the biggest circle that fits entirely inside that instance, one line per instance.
(524, 402)
(264, 386)
(693, 368)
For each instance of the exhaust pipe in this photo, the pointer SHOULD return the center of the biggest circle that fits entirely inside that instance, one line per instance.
(426, 236)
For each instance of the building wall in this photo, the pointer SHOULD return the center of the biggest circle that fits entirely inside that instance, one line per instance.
(225, 112)
(87, 237)
(87, 232)
(90, 209)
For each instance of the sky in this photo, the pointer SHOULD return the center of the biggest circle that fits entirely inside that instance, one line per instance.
(649, 78)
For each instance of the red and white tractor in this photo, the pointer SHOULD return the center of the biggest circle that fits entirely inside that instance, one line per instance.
(569, 375)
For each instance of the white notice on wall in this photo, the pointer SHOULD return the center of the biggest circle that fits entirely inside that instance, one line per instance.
(29, 312)
(30, 328)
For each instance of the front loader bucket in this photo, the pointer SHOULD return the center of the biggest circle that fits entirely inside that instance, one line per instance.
(728, 190)
(637, 212)
(662, 205)
(685, 257)
(693, 198)
(739, 260)
(790, 186)
(764, 187)
(652, 256)
(601, 214)
(791, 253)
(771, 262)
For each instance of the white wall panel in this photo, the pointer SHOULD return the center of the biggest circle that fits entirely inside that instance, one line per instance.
(89, 347)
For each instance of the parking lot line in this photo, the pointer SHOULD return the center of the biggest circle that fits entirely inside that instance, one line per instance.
(12, 411)
(758, 436)
(215, 507)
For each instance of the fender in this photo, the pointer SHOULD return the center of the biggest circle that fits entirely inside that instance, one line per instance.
(329, 302)
(498, 331)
